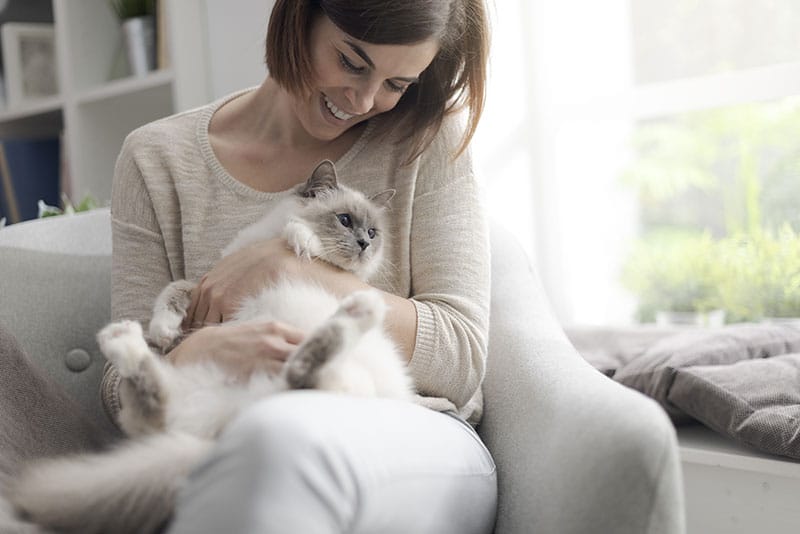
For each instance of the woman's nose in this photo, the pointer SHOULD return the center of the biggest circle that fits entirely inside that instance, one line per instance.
(361, 98)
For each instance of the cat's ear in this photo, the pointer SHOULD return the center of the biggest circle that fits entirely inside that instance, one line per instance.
(383, 198)
(322, 179)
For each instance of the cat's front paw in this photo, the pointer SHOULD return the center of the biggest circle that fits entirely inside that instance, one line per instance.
(123, 344)
(366, 307)
(302, 240)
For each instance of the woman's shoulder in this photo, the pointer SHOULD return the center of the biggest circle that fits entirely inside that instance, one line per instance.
(165, 132)
(448, 139)
(185, 127)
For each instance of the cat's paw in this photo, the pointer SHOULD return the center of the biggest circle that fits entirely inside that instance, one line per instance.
(165, 329)
(302, 240)
(123, 344)
(367, 308)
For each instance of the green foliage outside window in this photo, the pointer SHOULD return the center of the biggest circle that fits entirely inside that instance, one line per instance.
(719, 192)
(127, 9)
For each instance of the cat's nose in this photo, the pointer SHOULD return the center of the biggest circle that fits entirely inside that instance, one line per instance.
(362, 243)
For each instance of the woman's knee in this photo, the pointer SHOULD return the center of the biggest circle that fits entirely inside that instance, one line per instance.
(281, 429)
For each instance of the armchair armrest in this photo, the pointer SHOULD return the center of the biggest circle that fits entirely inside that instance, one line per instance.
(575, 451)
(55, 282)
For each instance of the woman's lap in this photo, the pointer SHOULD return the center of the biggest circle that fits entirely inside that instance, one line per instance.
(313, 462)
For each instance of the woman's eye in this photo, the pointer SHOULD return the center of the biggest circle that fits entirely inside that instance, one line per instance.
(348, 65)
(345, 219)
(396, 88)
(371, 233)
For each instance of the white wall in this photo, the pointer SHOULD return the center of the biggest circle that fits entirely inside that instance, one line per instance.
(235, 46)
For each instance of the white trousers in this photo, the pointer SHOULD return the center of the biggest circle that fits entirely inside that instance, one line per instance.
(307, 462)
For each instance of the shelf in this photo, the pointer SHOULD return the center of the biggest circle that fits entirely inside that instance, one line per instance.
(36, 108)
(124, 86)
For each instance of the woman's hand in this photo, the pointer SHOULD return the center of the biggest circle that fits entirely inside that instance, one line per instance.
(240, 348)
(236, 276)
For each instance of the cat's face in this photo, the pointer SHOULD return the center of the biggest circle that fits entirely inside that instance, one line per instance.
(350, 226)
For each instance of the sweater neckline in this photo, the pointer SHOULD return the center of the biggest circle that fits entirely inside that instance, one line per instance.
(223, 175)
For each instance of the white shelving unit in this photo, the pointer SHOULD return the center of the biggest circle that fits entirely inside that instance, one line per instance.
(215, 47)
(94, 112)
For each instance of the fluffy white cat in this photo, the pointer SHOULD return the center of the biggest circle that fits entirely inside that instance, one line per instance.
(174, 414)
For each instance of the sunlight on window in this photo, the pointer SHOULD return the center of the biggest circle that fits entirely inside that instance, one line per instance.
(686, 38)
(718, 193)
(610, 125)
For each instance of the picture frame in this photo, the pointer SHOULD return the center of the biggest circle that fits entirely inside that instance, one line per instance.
(29, 62)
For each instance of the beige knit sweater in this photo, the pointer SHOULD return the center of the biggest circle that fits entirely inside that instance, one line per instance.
(174, 207)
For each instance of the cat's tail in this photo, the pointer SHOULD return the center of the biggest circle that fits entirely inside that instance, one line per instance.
(130, 489)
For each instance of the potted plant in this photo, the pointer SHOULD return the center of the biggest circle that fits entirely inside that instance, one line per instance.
(764, 276)
(138, 30)
(675, 277)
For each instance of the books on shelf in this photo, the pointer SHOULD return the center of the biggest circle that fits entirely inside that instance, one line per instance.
(29, 172)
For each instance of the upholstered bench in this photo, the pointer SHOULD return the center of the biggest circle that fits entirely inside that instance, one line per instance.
(729, 487)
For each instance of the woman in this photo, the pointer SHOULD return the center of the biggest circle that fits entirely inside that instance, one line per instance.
(372, 85)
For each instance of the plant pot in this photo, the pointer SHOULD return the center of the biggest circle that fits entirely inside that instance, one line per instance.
(140, 46)
(712, 319)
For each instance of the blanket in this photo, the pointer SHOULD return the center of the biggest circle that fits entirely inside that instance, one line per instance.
(741, 380)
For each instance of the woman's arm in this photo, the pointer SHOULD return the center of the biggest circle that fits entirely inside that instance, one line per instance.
(450, 267)
(450, 275)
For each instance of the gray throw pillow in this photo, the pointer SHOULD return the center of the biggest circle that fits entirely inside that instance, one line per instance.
(755, 402)
(609, 349)
(653, 372)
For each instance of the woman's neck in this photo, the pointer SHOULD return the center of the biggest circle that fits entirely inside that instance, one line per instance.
(259, 140)
(266, 116)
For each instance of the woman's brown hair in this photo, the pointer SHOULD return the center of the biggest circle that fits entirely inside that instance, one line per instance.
(455, 78)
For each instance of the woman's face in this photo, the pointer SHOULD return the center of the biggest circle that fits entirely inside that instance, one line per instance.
(354, 80)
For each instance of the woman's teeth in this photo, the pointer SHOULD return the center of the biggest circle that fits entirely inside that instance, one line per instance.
(336, 112)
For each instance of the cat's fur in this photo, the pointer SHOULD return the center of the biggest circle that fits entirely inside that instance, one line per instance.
(173, 414)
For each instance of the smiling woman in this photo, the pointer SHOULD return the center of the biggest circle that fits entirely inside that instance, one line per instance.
(453, 80)
(373, 86)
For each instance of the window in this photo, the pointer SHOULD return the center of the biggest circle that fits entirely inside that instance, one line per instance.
(628, 122)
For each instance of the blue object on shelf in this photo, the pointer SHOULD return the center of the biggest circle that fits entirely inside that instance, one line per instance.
(34, 168)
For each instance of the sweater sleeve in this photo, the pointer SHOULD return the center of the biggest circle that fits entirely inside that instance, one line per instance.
(139, 263)
(450, 281)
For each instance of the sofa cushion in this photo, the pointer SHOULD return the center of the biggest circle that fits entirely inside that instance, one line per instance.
(755, 402)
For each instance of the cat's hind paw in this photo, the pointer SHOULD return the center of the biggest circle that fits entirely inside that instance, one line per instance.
(165, 329)
(367, 308)
(123, 344)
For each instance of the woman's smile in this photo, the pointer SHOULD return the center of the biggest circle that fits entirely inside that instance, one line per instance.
(336, 111)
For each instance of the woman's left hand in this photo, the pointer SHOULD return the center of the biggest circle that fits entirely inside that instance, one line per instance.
(239, 275)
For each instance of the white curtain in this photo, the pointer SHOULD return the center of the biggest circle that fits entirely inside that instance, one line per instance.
(551, 144)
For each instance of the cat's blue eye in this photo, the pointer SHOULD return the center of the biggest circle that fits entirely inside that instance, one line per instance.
(345, 219)
(371, 233)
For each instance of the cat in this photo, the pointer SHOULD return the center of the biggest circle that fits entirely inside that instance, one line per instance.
(173, 414)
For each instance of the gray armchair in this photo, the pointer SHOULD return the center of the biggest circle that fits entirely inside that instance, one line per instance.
(576, 452)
